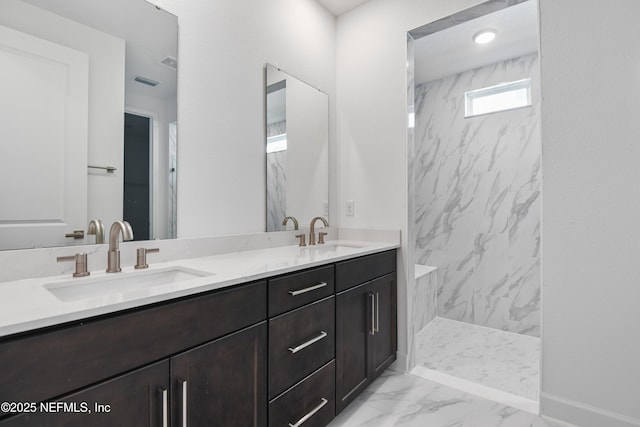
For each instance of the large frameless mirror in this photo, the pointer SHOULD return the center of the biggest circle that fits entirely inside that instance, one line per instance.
(88, 112)
(297, 146)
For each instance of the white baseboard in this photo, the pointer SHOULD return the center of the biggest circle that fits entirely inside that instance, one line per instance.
(579, 414)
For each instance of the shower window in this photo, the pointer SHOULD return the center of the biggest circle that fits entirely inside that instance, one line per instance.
(502, 97)
(277, 143)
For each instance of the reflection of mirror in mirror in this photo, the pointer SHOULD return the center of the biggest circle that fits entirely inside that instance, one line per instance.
(297, 150)
(71, 69)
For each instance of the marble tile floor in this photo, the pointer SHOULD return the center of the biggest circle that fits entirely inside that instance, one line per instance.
(496, 359)
(396, 400)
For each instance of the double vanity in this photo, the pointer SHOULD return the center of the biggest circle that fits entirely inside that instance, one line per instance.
(279, 336)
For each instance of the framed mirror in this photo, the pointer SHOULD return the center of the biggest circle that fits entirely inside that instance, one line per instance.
(297, 146)
(89, 120)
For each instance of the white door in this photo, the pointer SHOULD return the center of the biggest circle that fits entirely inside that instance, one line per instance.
(43, 141)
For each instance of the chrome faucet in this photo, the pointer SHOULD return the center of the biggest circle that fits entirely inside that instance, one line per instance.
(113, 257)
(312, 234)
(292, 218)
(96, 227)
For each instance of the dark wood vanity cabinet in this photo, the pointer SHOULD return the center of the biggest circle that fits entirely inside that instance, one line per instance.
(139, 398)
(222, 383)
(141, 362)
(287, 351)
(366, 332)
(302, 348)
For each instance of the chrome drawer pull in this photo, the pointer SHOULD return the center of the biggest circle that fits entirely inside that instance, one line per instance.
(322, 335)
(184, 403)
(309, 289)
(372, 331)
(310, 414)
(165, 408)
(377, 327)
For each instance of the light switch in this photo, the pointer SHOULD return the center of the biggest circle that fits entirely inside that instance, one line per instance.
(348, 207)
(325, 208)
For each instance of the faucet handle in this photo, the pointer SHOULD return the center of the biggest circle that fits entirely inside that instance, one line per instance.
(81, 263)
(76, 234)
(321, 237)
(141, 258)
(302, 239)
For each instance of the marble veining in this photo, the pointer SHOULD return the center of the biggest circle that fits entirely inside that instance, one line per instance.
(498, 359)
(275, 129)
(276, 190)
(396, 399)
(477, 188)
(276, 181)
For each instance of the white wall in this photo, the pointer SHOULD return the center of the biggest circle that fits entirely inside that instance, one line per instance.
(591, 211)
(224, 46)
(307, 154)
(106, 97)
(372, 121)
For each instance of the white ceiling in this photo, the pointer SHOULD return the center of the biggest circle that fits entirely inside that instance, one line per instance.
(146, 44)
(338, 7)
(452, 51)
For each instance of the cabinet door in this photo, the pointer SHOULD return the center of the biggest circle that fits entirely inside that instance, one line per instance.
(383, 342)
(353, 325)
(222, 383)
(139, 398)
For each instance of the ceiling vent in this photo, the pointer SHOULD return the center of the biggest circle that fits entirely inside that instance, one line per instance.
(170, 62)
(146, 81)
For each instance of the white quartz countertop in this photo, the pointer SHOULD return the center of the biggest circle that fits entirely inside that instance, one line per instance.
(29, 304)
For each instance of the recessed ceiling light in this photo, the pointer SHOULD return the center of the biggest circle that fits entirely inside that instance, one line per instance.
(484, 36)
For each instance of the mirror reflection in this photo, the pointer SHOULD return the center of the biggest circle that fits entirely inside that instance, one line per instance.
(88, 114)
(297, 151)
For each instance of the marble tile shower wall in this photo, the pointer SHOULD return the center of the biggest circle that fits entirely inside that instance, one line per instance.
(276, 181)
(276, 190)
(477, 200)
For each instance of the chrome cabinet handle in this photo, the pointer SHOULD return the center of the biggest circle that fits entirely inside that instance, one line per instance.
(184, 403)
(372, 331)
(294, 350)
(377, 326)
(309, 289)
(165, 407)
(310, 414)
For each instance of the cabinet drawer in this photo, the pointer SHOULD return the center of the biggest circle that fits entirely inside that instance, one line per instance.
(356, 271)
(311, 401)
(299, 343)
(40, 366)
(298, 289)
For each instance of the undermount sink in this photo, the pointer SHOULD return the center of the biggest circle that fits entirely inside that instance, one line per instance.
(334, 247)
(121, 283)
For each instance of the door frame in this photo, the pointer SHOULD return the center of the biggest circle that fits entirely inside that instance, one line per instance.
(153, 158)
